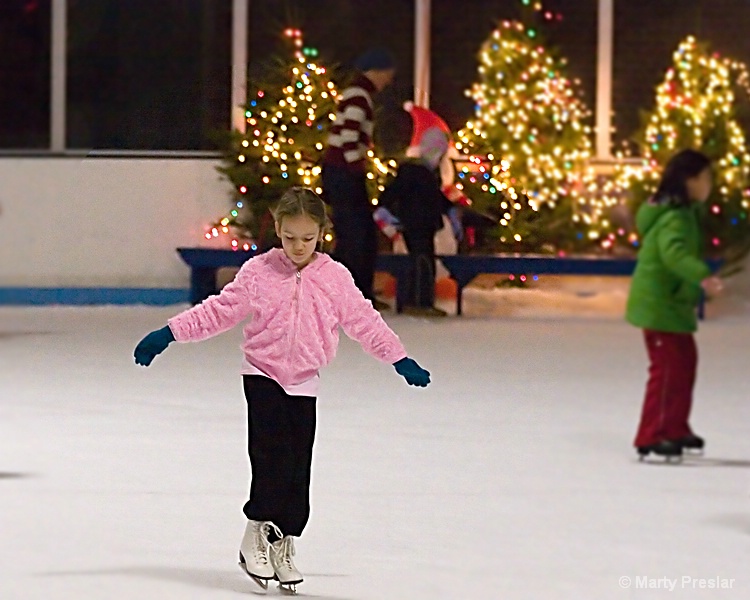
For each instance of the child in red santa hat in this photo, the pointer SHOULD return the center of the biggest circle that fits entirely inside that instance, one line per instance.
(416, 200)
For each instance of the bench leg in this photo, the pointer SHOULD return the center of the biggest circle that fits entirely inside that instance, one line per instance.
(202, 283)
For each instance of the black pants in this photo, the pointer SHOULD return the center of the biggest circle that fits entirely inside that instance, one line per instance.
(421, 282)
(281, 432)
(356, 234)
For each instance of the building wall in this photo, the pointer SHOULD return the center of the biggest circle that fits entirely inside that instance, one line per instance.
(103, 222)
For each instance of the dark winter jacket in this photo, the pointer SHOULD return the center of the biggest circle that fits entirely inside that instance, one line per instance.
(666, 285)
(414, 196)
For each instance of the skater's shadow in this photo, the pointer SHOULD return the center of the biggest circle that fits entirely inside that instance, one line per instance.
(701, 461)
(229, 581)
(735, 522)
(11, 335)
(205, 578)
(8, 475)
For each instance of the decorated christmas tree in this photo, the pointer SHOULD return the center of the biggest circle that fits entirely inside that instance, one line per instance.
(696, 108)
(528, 144)
(287, 119)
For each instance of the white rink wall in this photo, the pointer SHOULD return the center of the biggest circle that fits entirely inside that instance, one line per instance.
(104, 222)
(115, 223)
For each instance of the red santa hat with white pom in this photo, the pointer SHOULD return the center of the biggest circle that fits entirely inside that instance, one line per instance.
(426, 120)
(423, 119)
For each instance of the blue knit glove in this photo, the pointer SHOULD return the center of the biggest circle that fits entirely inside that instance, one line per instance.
(412, 372)
(154, 343)
(456, 224)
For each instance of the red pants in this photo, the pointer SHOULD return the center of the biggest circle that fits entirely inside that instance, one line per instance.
(669, 392)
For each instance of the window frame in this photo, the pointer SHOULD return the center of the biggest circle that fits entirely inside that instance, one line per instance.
(58, 79)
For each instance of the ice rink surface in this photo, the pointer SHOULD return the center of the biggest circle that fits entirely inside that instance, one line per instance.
(511, 477)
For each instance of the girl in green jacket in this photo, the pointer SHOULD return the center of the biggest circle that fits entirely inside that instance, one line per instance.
(669, 279)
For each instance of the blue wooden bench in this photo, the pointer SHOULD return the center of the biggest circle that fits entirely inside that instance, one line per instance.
(205, 262)
(463, 268)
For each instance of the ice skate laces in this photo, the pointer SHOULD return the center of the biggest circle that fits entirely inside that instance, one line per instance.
(261, 540)
(286, 551)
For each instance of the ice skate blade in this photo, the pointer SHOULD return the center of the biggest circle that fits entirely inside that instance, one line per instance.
(263, 583)
(669, 460)
(289, 589)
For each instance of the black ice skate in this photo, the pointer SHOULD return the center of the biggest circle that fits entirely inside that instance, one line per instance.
(672, 451)
(692, 442)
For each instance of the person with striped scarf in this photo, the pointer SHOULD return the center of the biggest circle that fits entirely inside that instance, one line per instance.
(345, 169)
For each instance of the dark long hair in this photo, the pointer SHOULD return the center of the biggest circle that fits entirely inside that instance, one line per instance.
(681, 167)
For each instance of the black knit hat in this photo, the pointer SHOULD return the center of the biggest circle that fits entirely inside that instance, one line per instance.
(375, 59)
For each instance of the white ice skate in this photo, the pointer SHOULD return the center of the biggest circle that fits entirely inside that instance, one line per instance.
(281, 553)
(254, 550)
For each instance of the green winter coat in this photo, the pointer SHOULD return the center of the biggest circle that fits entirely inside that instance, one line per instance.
(666, 286)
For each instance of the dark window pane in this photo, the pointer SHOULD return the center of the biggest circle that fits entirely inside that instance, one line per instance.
(341, 30)
(646, 35)
(24, 73)
(148, 75)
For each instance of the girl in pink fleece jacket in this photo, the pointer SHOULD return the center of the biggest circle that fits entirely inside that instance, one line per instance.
(295, 298)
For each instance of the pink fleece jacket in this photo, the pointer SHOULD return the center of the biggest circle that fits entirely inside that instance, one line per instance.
(294, 316)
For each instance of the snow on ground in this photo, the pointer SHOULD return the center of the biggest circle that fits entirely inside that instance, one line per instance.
(512, 476)
(550, 297)
(571, 296)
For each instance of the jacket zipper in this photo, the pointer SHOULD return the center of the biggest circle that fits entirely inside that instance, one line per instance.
(295, 316)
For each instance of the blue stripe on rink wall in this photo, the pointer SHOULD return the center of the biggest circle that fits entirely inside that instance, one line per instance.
(21, 296)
